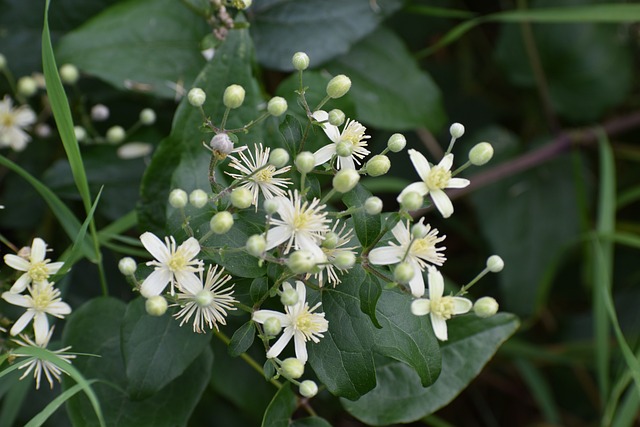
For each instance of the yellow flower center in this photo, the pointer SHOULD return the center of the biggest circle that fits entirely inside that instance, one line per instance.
(438, 178)
(7, 120)
(177, 262)
(442, 307)
(353, 133)
(301, 221)
(43, 297)
(38, 271)
(265, 175)
(305, 323)
(420, 246)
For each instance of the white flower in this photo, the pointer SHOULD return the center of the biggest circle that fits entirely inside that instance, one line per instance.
(331, 254)
(301, 224)
(440, 308)
(43, 299)
(352, 132)
(415, 251)
(173, 265)
(264, 180)
(299, 322)
(12, 121)
(38, 366)
(206, 302)
(36, 269)
(434, 180)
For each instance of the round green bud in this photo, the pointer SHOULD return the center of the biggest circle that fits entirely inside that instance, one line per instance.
(279, 157)
(373, 205)
(196, 97)
(127, 266)
(481, 153)
(308, 388)
(198, 198)
(411, 201)
(116, 134)
(80, 133)
(378, 165)
(336, 117)
(233, 96)
(178, 198)
(270, 206)
(3, 62)
(156, 305)
(300, 61)
(345, 260)
(27, 86)
(289, 296)
(456, 130)
(242, 4)
(403, 273)
(272, 326)
(345, 180)
(305, 162)
(69, 74)
(420, 307)
(147, 116)
(204, 298)
(292, 368)
(344, 148)
(338, 86)
(418, 231)
(495, 264)
(221, 222)
(256, 245)
(330, 240)
(301, 262)
(277, 106)
(100, 113)
(396, 142)
(485, 307)
(241, 198)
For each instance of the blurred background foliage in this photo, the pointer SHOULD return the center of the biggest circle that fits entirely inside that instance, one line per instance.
(556, 92)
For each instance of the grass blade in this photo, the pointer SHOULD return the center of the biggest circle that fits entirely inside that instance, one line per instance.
(53, 406)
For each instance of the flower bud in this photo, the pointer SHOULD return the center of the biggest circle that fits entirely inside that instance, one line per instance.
(233, 96)
(241, 198)
(127, 266)
(345, 180)
(495, 264)
(308, 388)
(69, 74)
(456, 130)
(403, 273)
(43, 130)
(270, 206)
(198, 198)
(221, 222)
(338, 86)
(277, 106)
(256, 245)
(242, 4)
(272, 326)
(289, 296)
(134, 150)
(305, 162)
(330, 240)
(99, 112)
(420, 307)
(156, 305)
(292, 368)
(418, 231)
(115, 134)
(147, 117)
(221, 143)
(80, 133)
(301, 262)
(178, 198)
(344, 148)
(300, 61)
(485, 307)
(411, 201)
(373, 205)
(27, 86)
(336, 117)
(481, 153)
(345, 260)
(196, 97)
(396, 142)
(279, 157)
(378, 165)
(3, 62)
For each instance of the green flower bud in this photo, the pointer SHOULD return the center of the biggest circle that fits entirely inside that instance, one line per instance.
(300, 61)
(403, 273)
(292, 368)
(233, 96)
(27, 86)
(196, 97)
(80, 133)
(127, 266)
(345, 180)
(241, 198)
(270, 206)
(3, 62)
(69, 74)
(289, 296)
(198, 198)
(411, 201)
(277, 106)
(344, 148)
(378, 165)
(396, 142)
(308, 388)
(115, 134)
(456, 130)
(301, 262)
(256, 245)
(485, 307)
(242, 4)
(178, 198)
(495, 264)
(279, 157)
(147, 116)
(272, 326)
(336, 117)
(221, 222)
(345, 260)
(156, 305)
(305, 162)
(373, 205)
(338, 86)
(481, 153)
(418, 231)
(330, 240)
(421, 307)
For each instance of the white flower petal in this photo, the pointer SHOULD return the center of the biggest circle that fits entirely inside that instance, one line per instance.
(53, 267)
(421, 307)
(38, 250)
(386, 255)
(446, 162)
(401, 233)
(22, 322)
(280, 344)
(436, 283)
(277, 235)
(40, 327)
(261, 316)
(439, 327)
(301, 289)
(442, 202)
(155, 246)
(58, 309)
(21, 284)
(461, 305)
(188, 282)
(324, 154)
(16, 262)
(330, 130)
(16, 299)
(189, 248)
(301, 347)
(418, 187)
(346, 163)
(416, 284)
(458, 183)
(155, 283)
(420, 164)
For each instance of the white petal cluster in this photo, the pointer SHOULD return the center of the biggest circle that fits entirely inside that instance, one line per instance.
(352, 133)
(13, 121)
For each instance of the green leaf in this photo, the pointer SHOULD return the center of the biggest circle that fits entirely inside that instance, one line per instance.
(242, 339)
(280, 409)
(54, 405)
(386, 83)
(291, 130)
(370, 291)
(282, 28)
(401, 398)
(311, 422)
(156, 45)
(259, 288)
(367, 226)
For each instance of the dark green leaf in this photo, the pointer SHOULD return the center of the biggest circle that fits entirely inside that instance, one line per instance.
(242, 339)
(370, 291)
(367, 226)
(269, 370)
(311, 422)
(280, 409)
(259, 288)
(291, 131)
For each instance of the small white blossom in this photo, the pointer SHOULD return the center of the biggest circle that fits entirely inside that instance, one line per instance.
(36, 268)
(12, 123)
(343, 238)
(353, 132)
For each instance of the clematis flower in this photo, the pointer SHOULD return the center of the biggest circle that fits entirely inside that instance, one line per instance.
(434, 180)
(299, 322)
(36, 268)
(439, 307)
(353, 133)
(418, 252)
(331, 253)
(177, 266)
(12, 123)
